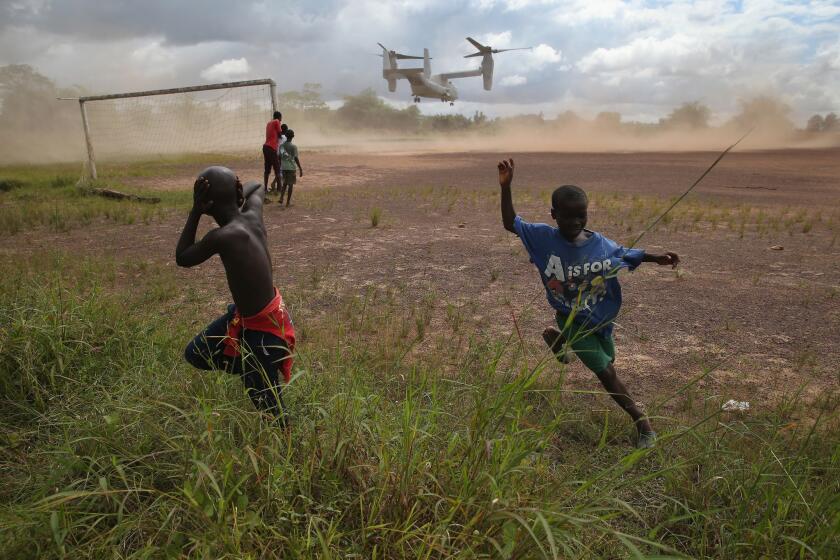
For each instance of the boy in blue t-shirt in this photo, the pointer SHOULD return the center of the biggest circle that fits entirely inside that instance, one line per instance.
(579, 269)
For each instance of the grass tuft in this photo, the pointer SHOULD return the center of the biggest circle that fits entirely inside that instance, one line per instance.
(375, 215)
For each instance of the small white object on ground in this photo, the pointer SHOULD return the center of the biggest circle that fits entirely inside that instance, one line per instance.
(732, 406)
(777, 248)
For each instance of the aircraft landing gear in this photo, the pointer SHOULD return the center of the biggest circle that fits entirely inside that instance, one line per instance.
(416, 99)
(451, 103)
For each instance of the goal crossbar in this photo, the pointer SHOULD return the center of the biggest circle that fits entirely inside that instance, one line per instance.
(91, 163)
(245, 83)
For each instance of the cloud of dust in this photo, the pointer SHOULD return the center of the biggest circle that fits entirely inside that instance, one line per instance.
(585, 137)
(39, 129)
(42, 146)
(685, 129)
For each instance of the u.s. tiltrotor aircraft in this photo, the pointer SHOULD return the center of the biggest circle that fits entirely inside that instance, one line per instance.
(437, 86)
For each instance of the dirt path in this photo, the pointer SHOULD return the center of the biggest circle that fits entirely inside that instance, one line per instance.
(770, 319)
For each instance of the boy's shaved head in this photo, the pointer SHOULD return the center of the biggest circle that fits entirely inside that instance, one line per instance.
(224, 185)
(566, 194)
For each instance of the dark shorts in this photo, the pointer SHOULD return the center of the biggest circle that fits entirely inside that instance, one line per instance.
(271, 160)
(289, 177)
(258, 365)
(594, 350)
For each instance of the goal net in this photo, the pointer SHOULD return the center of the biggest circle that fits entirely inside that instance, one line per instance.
(224, 118)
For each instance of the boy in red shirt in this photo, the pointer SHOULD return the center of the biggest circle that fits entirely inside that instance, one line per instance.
(272, 142)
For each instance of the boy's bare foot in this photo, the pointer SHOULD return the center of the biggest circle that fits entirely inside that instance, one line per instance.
(557, 342)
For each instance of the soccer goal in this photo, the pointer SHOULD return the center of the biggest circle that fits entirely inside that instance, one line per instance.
(214, 118)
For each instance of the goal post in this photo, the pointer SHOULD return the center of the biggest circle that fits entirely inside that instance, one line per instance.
(206, 118)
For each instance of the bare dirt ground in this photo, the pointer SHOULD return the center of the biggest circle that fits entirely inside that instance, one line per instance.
(768, 319)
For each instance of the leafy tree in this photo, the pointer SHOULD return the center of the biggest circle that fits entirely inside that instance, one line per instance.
(763, 112)
(608, 119)
(448, 122)
(479, 118)
(25, 95)
(32, 118)
(828, 123)
(307, 100)
(367, 110)
(568, 118)
(815, 124)
(688, 115)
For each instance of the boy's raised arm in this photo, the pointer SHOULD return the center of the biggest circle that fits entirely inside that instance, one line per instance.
(188, 252)
(250, 188)
(254, 194)
(505, 179)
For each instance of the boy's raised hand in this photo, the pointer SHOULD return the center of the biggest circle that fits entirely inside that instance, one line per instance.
(201, 196)
(505, 172)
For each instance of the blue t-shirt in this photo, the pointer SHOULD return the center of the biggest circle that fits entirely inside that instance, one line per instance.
(582, 276)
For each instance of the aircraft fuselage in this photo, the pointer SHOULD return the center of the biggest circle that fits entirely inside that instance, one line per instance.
(433, 88)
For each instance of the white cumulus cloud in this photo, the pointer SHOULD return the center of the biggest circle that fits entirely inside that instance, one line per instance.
(226, 70)
(672, 54)
(496, 40)
(515, 80)
(154, 59)
(543, 55)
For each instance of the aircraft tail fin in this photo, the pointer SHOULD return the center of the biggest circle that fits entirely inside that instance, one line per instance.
(427, 65)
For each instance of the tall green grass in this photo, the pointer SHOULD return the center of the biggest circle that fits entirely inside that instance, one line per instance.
(52, 197)
(400, 447)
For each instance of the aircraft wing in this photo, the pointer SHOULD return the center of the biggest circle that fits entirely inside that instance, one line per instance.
(410, 74)
(464, 74)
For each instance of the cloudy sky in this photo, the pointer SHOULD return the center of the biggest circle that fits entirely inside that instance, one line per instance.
(638, 57)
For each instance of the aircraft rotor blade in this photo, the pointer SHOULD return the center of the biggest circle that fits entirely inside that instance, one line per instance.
(494, 51)
(397, 55)
(474, 54)
(476, 44)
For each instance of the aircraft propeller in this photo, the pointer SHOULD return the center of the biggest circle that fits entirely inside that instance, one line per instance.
(399, 56)
(483, 50)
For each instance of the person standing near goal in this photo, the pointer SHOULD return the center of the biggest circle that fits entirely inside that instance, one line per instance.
(272, 142)
(289, 165)
(275, 184)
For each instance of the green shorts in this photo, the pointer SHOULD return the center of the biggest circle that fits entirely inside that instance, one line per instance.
(289, 177)
(594, 350)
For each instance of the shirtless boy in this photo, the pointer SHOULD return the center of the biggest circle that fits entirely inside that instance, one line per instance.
(254, 338)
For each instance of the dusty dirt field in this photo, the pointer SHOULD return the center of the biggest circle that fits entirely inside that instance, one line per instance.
(769, 319)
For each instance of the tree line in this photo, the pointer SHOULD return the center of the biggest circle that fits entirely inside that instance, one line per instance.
(29, 110)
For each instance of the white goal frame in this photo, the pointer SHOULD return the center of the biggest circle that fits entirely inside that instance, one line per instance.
(227, 85)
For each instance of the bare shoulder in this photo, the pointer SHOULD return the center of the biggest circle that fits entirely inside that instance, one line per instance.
(232, 233)
(251, 220)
